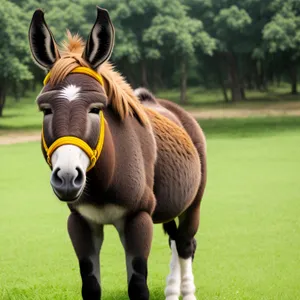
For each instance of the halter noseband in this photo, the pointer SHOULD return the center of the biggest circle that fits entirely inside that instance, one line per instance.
(71, 140)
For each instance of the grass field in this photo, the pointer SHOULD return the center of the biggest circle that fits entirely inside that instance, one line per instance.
(248, 245)
(214, 97)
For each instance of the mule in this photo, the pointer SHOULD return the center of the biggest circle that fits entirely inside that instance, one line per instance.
(119, 157)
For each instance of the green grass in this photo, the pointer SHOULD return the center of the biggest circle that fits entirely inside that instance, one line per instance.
(213, 98)
(248, 245)
(23, 115)
(249, 127)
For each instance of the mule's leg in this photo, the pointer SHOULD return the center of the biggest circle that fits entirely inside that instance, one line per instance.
(186, 247)
(136, 236)
(172, 290)
(87, 244)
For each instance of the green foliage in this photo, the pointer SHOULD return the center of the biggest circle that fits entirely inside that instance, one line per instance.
(14, 58)
(282, 33)
(182, 34)
(230, 25)
(139, 37)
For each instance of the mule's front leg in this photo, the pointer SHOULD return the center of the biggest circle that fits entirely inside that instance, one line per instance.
(136, 236)
(87, 244)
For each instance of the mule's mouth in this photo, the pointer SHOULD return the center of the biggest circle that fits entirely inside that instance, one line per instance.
(68, 197)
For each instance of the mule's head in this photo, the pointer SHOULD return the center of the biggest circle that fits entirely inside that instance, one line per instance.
(72, 101)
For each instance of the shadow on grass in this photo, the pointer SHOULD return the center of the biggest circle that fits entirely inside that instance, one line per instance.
(248, 127)
(31, 127)
(10, 116)
(155, 294)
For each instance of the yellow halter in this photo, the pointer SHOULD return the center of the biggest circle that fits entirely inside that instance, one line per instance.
(71, 140)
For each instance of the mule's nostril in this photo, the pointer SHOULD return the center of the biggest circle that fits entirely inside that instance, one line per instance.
(56, 180)
(78, 181)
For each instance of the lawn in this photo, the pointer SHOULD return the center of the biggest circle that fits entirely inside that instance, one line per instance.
(213, 98)
(248, 245)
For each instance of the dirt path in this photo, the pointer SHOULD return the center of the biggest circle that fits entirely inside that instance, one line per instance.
(19, 137)
(272, 109)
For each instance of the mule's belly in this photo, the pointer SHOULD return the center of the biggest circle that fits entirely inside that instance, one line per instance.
(177, 170)
(175, 189)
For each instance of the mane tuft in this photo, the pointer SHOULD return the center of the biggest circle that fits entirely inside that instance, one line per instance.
(74, 44)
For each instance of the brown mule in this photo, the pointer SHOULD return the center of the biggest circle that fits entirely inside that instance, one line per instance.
(150, 163)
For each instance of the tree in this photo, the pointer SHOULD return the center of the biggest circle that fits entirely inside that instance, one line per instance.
(14, 54)
(282, 35)
(166, 32)
(172, 28)
(240, 57)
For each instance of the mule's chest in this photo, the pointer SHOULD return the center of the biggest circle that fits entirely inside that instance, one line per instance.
(106, 214)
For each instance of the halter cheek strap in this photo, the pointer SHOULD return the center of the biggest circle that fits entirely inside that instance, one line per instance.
(93, 154)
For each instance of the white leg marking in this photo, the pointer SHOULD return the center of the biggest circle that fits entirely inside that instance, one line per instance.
(187, 279)
(70, 92)
(172, 291)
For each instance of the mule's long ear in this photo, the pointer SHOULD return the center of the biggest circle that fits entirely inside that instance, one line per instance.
(100, 43)
(42, 43)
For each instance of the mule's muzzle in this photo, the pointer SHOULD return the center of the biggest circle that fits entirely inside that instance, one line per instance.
(68, 185)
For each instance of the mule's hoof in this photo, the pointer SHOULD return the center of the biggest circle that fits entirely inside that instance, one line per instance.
(172, 297)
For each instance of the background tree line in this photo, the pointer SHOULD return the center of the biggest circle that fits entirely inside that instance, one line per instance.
(232, 44)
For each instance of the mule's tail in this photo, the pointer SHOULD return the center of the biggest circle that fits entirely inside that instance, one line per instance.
(145, 95)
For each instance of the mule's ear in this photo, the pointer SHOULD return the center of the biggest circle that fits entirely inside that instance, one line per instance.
(100, 43)
(42, 43)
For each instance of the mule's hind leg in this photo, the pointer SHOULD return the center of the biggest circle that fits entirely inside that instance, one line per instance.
(87, 244)
(186, 247)
(172, 290)
(183, 246)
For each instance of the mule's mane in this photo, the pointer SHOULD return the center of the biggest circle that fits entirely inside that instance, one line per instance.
(119, 92)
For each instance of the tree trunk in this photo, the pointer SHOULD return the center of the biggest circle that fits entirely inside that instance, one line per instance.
(183, 81)
(222, 83)
(243, 93)
(293, 72)
(34, 85)
(158, 81)
(236, 93)
(224, 91)
(242, 88)
(278, 80)
(2, 99)
(263, 79)
(144, 73)
(16, 91)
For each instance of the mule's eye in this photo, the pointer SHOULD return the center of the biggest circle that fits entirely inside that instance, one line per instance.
(46, 111)
(94, 110)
